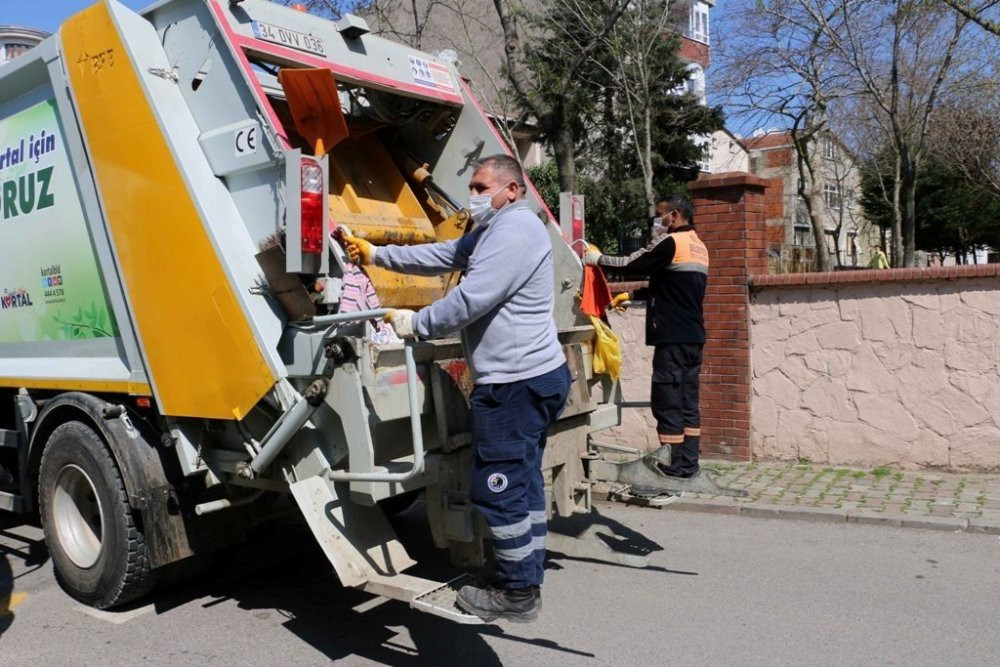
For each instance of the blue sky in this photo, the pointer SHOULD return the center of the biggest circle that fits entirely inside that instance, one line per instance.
(48, 14)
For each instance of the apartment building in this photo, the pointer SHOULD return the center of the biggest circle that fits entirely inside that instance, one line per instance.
(791, 242)
(15, 40)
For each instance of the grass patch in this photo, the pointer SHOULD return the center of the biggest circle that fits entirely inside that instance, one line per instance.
(859, 474)
(898, 477)
(880, 472)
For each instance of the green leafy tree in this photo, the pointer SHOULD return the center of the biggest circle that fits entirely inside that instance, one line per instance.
(638, 131)
(953, 214)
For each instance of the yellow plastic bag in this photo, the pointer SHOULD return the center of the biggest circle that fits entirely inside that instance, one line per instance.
(607, 350)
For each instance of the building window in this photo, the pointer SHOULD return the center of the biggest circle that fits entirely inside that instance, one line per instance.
(12, 51)
(831, 195)
(698, 28)
(829, 148)
(849, 199)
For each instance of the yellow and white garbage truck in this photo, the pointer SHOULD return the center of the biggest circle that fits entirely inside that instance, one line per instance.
(174, 349)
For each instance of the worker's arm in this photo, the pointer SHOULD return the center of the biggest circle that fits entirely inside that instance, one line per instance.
(498, 272)
(430, 259)
(655, 255)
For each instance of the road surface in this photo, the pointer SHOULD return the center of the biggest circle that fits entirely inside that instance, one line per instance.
(719, 590)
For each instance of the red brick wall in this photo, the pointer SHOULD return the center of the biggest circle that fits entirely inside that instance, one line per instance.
(781, 157)
(696, 52)
(729, 214)
(774, 204)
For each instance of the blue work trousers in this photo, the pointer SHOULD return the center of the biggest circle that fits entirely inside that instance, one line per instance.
(509, 426)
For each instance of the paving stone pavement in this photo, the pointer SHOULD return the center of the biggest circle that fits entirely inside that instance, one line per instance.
(919, 499)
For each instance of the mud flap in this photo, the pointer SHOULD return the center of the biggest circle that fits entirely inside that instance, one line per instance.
(364, 550)
(358, 540)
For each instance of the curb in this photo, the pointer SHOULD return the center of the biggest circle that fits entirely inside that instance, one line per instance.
(729, 507)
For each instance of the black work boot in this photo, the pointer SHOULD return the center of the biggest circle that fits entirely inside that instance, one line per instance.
(519, 605)
(684, 458)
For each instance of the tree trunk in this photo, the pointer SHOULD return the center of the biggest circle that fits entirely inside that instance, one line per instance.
(647, 159)
(909, 213)
(819, 233)
(562, 149)
(897, 218)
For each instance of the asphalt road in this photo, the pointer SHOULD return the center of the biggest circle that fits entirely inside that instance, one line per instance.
(719, 590)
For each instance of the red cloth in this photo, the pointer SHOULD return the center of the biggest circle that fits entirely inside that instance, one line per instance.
(596, 293)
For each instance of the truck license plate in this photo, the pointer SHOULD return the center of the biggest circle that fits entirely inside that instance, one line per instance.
(289, 38)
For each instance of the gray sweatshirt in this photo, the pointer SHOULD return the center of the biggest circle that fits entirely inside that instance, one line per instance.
(503, 306)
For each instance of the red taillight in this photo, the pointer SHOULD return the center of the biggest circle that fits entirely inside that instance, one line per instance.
(312, 207)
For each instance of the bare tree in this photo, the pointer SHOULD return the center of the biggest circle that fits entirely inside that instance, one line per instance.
(841, 173)
(901, 53)
(780, 69)
(636, 73)
(896, 59)
(977, 13)
(472, 31)
(967, 135)
(547, 90)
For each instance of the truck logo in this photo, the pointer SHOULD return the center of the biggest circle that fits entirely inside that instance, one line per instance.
(26, 194)
(17, 298)
(245, 140)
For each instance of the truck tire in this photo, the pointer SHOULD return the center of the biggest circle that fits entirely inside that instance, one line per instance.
(94, 537)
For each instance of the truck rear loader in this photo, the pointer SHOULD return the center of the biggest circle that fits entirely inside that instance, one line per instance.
(175, 346)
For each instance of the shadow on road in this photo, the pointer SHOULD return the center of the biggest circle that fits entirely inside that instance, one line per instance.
(32, 553)
(6, 591)
(283, 572)
(614, 535)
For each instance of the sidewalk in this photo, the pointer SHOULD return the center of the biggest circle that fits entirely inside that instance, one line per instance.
(942, 501)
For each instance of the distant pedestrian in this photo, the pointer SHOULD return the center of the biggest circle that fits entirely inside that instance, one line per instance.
(879, 260)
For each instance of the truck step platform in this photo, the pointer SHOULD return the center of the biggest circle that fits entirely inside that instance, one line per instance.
(424, 595)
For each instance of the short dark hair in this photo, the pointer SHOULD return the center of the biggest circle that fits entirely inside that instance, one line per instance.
(681, 205)
(502, 165)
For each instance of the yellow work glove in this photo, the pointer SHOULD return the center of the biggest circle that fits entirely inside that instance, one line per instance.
(358, 250)
(401, 320)
(592, 255)
(620, 302)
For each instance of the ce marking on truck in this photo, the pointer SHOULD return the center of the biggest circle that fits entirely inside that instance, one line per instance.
(245, 140)
(98, 62)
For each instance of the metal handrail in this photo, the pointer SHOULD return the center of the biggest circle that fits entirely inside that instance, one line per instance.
(356, 316)
(411, 389)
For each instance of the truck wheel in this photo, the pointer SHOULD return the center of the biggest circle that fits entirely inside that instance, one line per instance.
(94, 537)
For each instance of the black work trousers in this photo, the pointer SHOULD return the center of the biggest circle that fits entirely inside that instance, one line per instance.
(674, 394)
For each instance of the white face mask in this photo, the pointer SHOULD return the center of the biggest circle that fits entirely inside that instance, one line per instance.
(481, 207)
(659, 229)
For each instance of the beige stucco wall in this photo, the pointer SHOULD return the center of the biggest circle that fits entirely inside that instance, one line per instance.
(903, 374)
(638, 428)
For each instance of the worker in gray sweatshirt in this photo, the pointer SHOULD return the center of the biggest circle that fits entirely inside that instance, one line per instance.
(503, 311)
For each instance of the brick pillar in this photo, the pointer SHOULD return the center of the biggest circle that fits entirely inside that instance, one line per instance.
(729, 214)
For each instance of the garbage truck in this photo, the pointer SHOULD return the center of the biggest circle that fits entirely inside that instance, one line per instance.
(176, 350)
